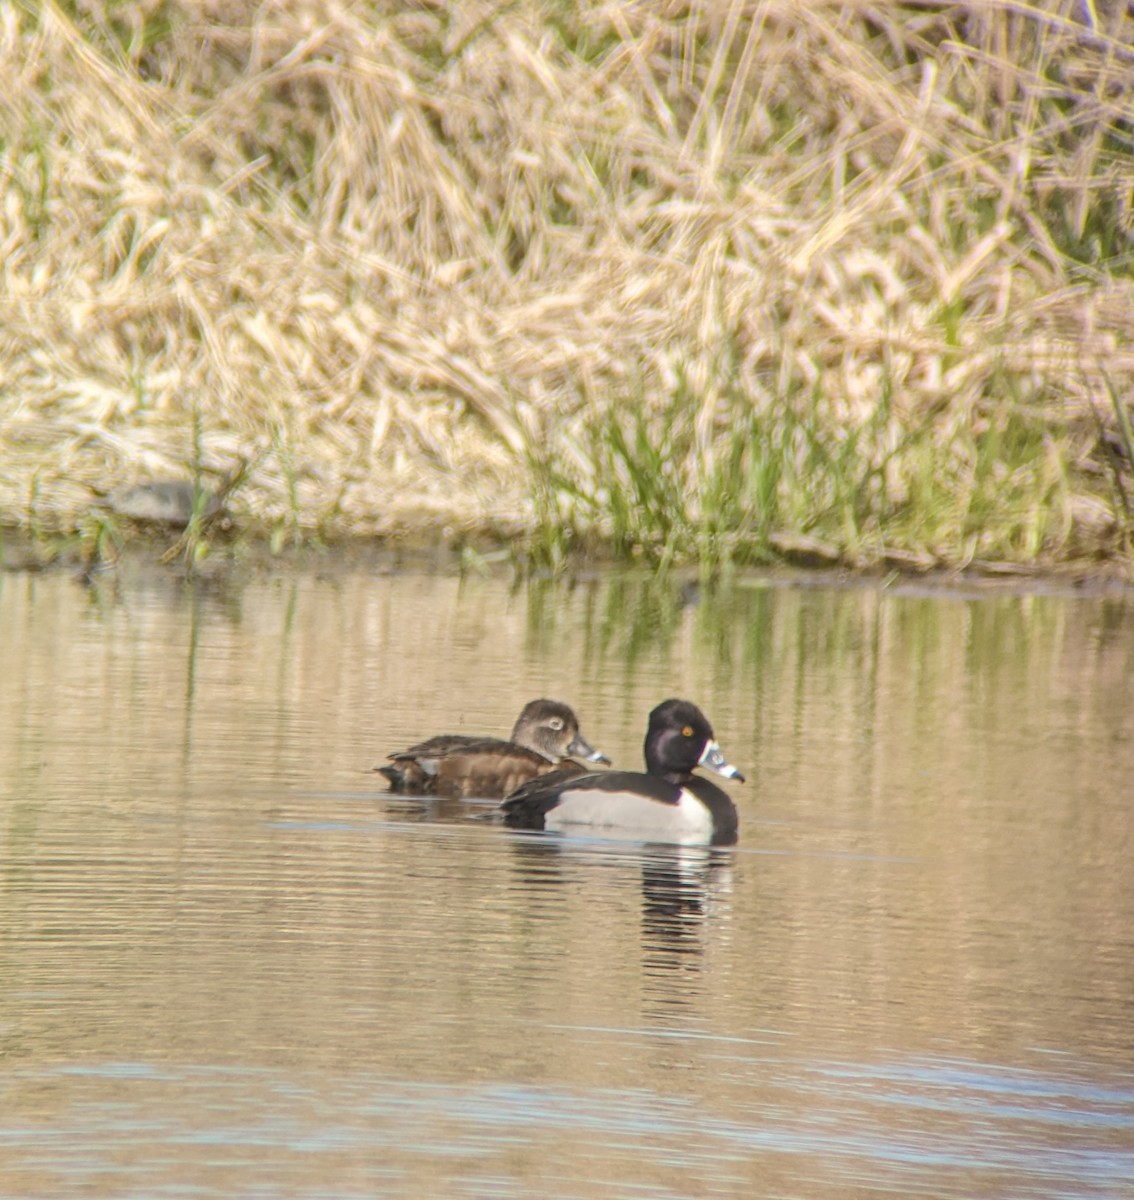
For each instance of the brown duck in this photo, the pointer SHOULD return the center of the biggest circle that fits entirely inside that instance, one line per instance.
(458, 766)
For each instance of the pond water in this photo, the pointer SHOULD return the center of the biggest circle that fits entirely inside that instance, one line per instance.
(232, 965)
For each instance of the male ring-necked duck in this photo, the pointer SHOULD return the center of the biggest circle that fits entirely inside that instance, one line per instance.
(668, 803)
(456, 765)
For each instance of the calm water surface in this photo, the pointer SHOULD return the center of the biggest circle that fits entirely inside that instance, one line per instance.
(230, 965)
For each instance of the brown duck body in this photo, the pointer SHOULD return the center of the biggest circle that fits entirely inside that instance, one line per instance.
(489, 769)
(457, 766)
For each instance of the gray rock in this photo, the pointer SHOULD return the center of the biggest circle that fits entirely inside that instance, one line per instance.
(163, 502)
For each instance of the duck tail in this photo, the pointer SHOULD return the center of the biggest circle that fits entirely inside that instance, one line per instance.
(394, 774)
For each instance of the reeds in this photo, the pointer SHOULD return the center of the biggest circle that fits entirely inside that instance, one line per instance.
(727, 282)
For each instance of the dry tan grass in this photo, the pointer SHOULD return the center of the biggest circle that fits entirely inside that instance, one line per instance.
(383, 250)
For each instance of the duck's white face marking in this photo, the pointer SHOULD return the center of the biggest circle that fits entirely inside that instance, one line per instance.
(686, 821)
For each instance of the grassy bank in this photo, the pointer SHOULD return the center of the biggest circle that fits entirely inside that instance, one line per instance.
(730, 282)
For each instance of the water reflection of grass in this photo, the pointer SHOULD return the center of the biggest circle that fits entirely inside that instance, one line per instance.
(749, 625)
(628, 616)
(732, 285)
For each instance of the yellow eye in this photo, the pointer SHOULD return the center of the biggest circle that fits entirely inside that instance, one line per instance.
(687, 731)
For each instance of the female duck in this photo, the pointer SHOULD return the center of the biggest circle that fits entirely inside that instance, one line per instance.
(668, 803)
(457, 766)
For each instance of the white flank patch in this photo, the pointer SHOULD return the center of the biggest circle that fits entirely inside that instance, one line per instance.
(686, 821)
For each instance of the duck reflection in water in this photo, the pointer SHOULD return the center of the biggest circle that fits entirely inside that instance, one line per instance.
(681, 887)
(683, 890)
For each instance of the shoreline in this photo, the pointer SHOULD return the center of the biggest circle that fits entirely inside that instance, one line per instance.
(149, 552)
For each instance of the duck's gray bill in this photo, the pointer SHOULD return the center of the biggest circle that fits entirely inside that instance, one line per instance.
(581, 748)
(716, 761)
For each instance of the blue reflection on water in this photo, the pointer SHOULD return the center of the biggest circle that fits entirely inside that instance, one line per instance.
(931, 1125)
